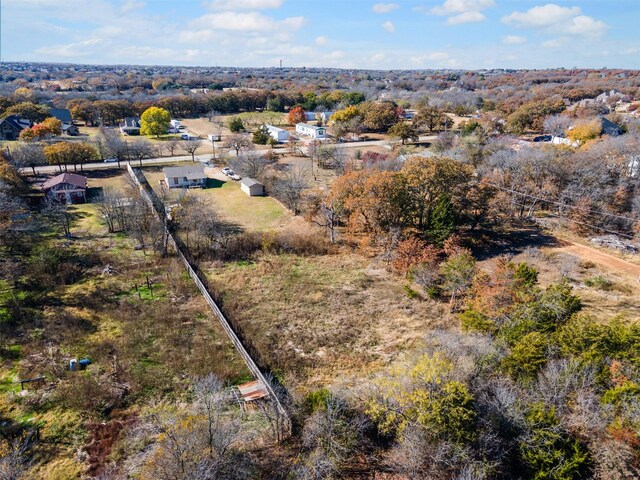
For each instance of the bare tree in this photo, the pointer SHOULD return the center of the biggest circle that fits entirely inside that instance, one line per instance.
(556, 125)
(290, 187)
(327, 213)
(14, 456)
(112, 205)
(172, 145)
(238, 142)
(28, 155)
(58, 213)
(190, 147)
(332, 435)
(251, 164)
(140, 149)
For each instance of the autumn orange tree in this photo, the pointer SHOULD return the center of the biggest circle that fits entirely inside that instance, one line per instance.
(296, 115)
(48, 127)
(70, 153)
(428, 195)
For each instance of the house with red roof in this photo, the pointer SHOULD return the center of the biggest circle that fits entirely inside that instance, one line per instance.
(66, 188)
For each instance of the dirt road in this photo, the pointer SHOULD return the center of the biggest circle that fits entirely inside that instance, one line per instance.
(602, 259)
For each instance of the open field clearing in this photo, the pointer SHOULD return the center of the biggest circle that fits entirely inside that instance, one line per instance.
(318, 319)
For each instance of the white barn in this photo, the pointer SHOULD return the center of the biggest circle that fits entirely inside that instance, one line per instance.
(192, 176)
(311, 131)
(278, 134)
(251, 187)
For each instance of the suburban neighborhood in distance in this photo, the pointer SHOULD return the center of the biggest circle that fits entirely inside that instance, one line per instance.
(275, 239)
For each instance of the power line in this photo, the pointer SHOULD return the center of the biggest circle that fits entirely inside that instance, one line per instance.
(564, 205)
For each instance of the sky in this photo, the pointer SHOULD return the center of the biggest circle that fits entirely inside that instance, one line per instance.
(467, 34)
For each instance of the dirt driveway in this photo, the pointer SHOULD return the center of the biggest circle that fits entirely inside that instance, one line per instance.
(603, 259)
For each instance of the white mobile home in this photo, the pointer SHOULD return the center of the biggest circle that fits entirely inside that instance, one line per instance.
(311, 131)
(251, 187)
(278, 134)
(192, 176)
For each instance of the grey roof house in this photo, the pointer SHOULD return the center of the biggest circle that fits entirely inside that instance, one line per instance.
(64, 115)
(191, 176)
(11, 126)
(130, 126)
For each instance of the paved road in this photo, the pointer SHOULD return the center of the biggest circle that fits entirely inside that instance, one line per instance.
(107, 165)
(48, 169)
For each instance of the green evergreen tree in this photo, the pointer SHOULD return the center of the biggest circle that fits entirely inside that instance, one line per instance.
(443, 220)
(261, 136)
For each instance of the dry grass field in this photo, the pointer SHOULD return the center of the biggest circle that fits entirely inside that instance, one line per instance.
(316, 320)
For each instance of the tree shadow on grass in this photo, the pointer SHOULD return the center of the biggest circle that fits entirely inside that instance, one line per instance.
(495, 243)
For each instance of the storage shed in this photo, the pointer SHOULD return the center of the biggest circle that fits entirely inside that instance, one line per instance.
(251, 187)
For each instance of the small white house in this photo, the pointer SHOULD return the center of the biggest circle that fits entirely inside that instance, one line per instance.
(251, 187)
(278, 134)
(311, 131)
(192, 176)
(175, 124)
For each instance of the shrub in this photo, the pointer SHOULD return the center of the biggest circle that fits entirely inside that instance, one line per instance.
(411, 293)
(527, 274)
(473, 320)
(599, 282)
(527, 356)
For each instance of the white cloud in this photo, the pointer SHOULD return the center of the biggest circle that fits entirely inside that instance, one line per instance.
(389, 26)
(451, 7)
(435, 60)
(556, 19)
(466, 17)
(78, 49)
(244, 4)
(462, 11)
(321, 41)
(587, 26)
(385, 7)
(514, 40)
(242, 22)
(131, 5)
(541, 16)
(553, 43)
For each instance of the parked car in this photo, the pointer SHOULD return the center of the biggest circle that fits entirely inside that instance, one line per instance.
(227, 171)
(110, 160)
(185, 136)
(235, 176)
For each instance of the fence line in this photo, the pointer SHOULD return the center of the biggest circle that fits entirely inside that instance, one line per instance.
(158, 206)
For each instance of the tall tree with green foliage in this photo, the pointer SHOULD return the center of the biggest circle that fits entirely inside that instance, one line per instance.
(443, 220)
(155, 121)
(261, 136)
